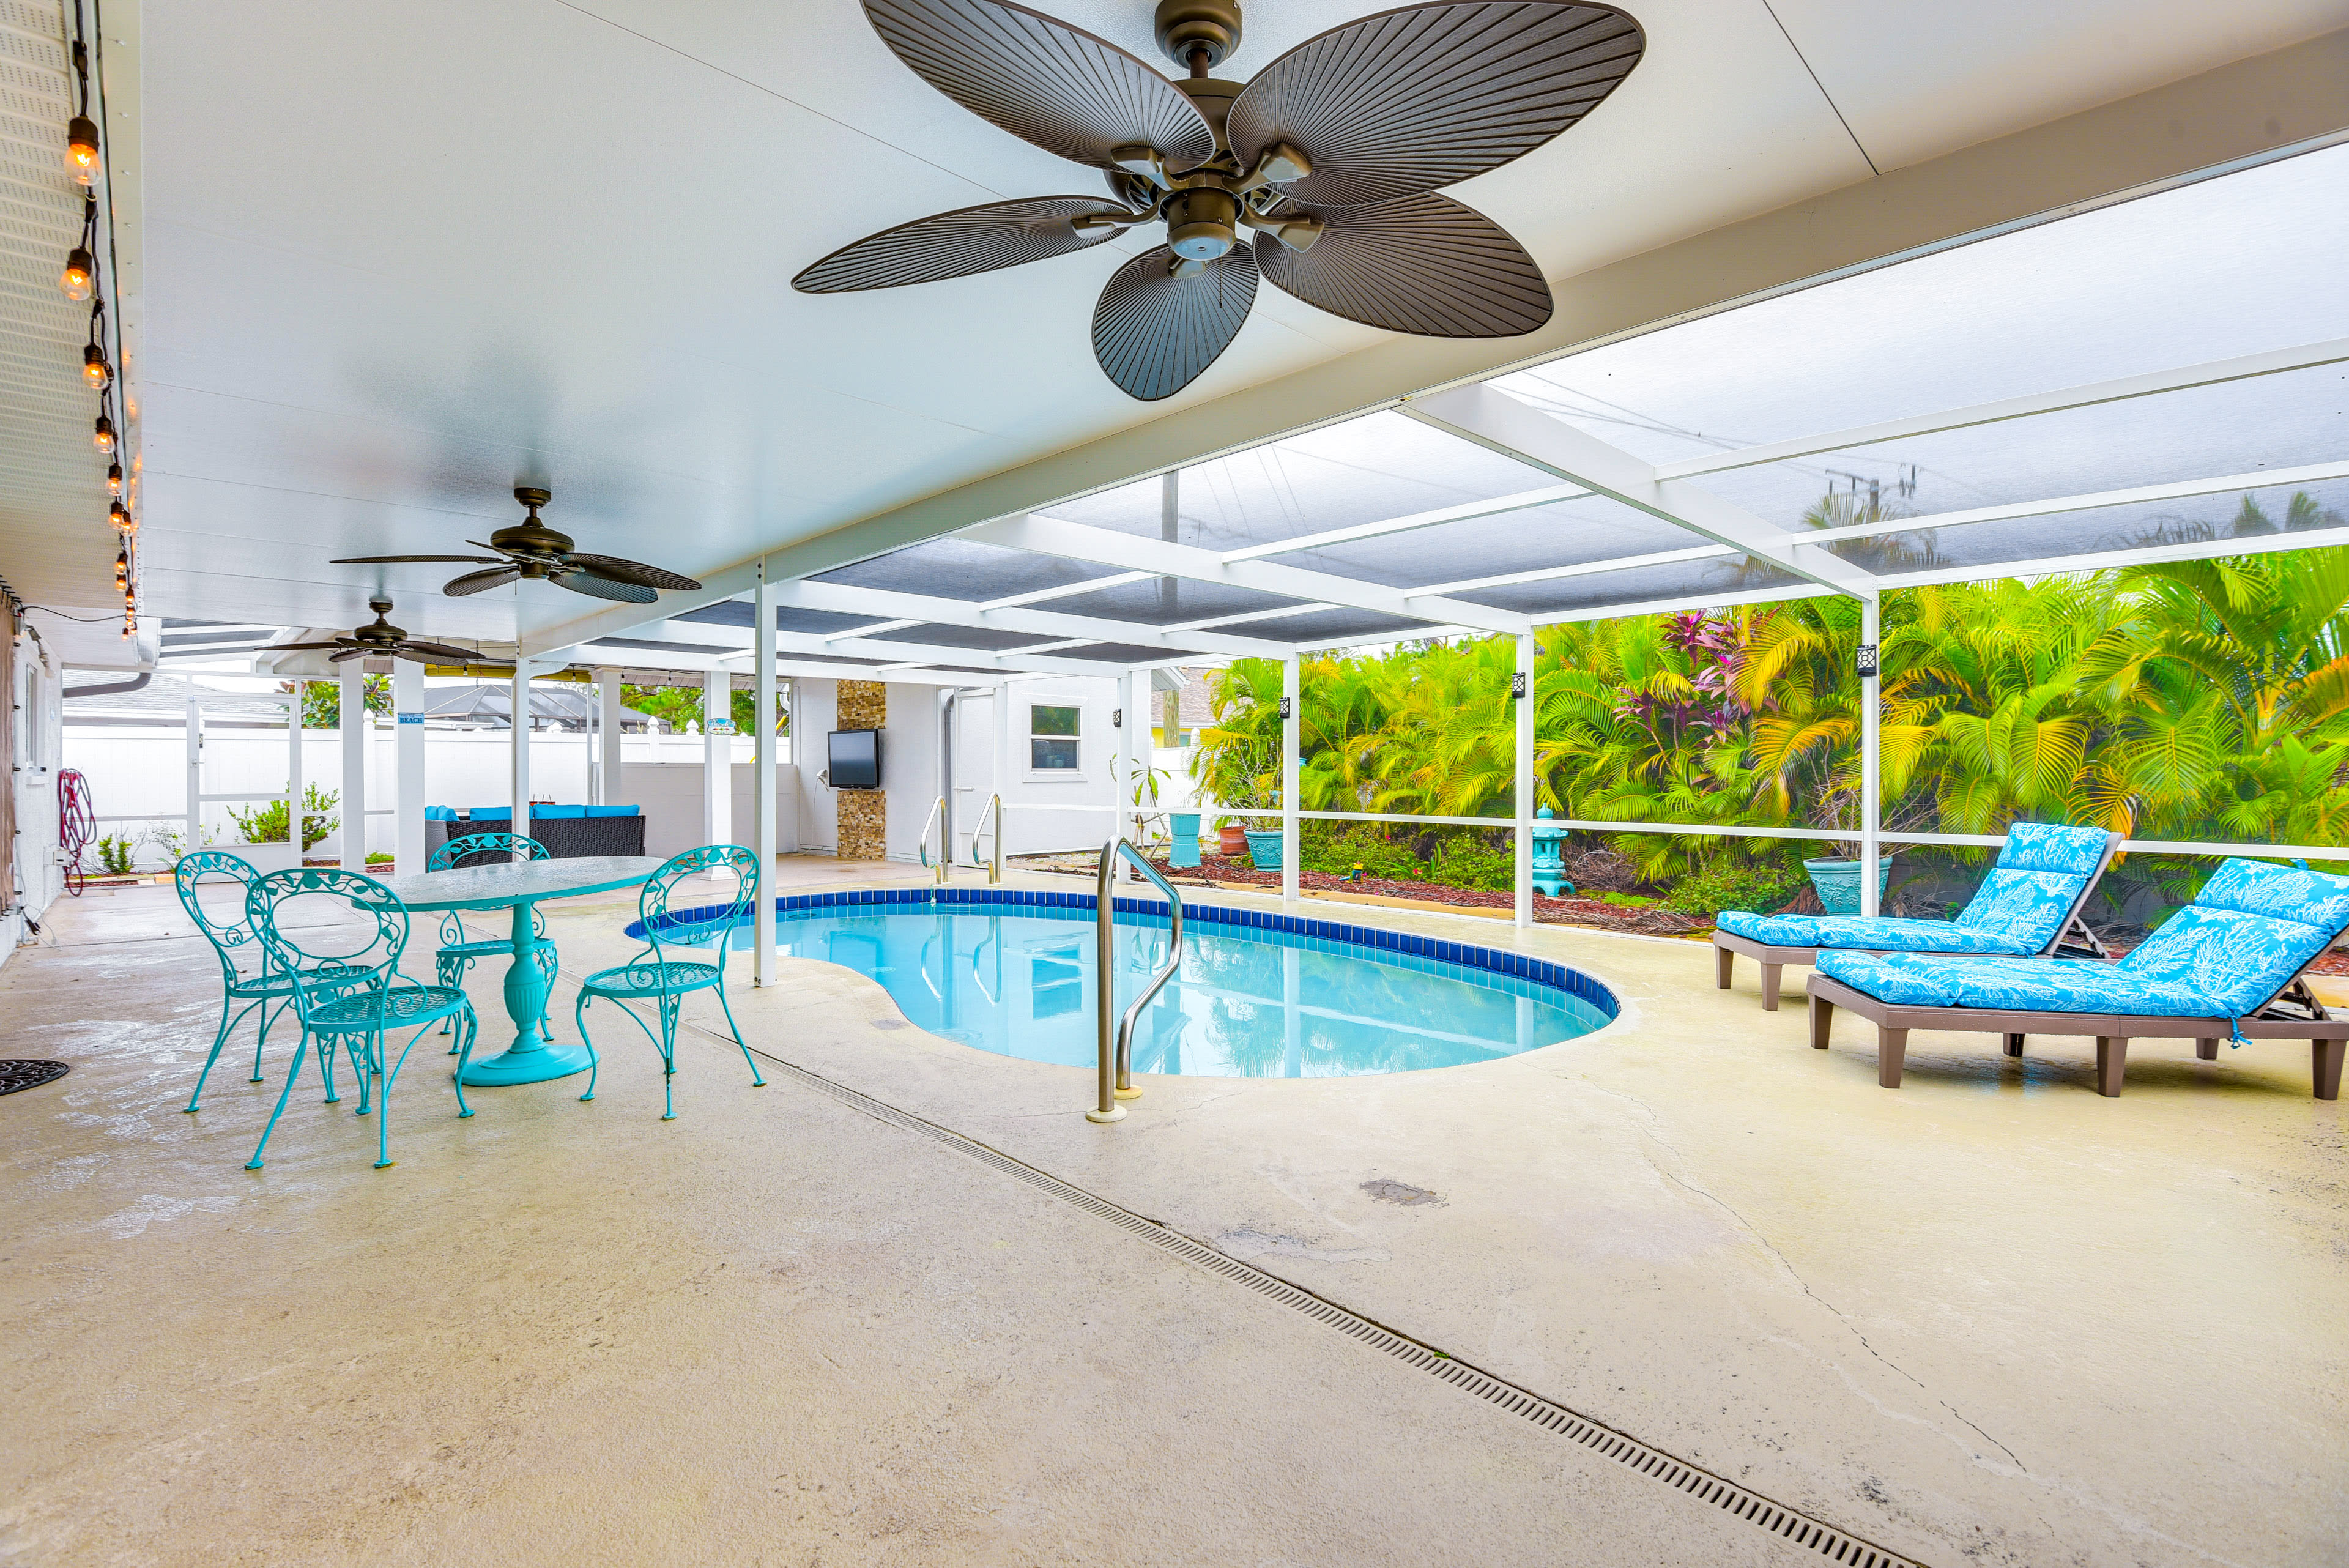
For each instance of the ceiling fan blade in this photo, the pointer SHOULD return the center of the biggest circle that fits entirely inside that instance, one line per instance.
(596, 587)
(613, 568)
(477, 582)
(437, 652)
(305, 647)
(347, 653)
(400, 560)
(1042, 80)
(1154, 333)
(959, 243)
(1422, 263)
(1411, 100)
(410, 652)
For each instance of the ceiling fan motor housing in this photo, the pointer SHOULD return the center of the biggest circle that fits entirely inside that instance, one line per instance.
(1185, 26)
(1203, 222)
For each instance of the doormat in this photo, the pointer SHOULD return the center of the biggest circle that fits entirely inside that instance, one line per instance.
(20, 1073)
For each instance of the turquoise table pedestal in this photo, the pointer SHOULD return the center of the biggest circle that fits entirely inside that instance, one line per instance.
(517, 885)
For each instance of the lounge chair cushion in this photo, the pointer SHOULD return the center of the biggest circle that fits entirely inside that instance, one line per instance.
(1851, 931)
(2020, 908)
(2252, 929)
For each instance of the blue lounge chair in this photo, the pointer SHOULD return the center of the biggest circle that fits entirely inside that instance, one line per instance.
(2225, 967)
(2030, 904)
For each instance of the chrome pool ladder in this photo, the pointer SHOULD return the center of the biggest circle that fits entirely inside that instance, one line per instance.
(938, 819)
(989, 819)
(1116, 1043)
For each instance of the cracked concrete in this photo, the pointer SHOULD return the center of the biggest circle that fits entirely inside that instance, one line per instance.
(1989, 1318)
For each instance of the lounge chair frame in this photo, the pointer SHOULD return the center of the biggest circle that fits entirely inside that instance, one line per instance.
(2074, 933)
(2113, 1032)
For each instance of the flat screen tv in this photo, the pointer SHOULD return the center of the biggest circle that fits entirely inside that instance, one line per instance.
(855, 759)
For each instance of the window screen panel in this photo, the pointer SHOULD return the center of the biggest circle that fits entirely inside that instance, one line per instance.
(1166, 600)
(1321, 626)
(982, 638)
(2237, 264)
(1381, 466)
(964, 569)
(1692, 584)
(1562, 533)
(1117, 653)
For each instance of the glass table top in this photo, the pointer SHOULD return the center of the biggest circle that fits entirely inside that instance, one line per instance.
(515, 882)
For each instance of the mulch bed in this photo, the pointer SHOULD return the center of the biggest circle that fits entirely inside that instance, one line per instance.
(1592, 912)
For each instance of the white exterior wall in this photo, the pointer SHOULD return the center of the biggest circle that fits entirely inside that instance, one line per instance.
(40, 746)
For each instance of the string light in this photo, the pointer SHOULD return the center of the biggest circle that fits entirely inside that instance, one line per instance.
(85, 160)
(80, 275)
(82, 160)
(114, 480)
(122, 570)
(102, 436)
(95, 369)
(119, 516)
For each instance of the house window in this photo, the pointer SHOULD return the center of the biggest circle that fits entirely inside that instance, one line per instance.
(1052, 738)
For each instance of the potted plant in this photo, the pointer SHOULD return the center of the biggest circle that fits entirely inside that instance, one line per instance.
(1836, 877)
(1231, 838)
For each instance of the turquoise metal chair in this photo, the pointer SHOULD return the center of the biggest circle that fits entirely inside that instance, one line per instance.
(655, 976)
(458, 951)
(347, 988)
(267, 987)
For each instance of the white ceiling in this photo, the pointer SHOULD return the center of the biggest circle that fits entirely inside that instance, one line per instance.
(400, 258)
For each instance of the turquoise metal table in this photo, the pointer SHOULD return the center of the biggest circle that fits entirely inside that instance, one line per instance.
(517, 885)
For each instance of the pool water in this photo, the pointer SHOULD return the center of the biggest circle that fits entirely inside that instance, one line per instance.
(1250, 1002)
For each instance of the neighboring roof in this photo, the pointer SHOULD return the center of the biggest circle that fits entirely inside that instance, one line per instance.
(490, 706)
(166, 696)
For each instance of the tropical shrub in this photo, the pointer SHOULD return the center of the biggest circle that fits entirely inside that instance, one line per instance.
(266, 823)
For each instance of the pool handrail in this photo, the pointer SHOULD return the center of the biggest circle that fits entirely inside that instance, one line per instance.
(1116, 1048)
(993, 864)
(938, 819)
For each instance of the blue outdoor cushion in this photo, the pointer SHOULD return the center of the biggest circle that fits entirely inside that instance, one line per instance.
(440, 813)
(2252, 929)
(546, 812)
(491, 814)
(614, 810)
(2019, 909)
(1851, 931)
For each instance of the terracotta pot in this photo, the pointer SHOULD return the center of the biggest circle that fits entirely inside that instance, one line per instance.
(1231, 840)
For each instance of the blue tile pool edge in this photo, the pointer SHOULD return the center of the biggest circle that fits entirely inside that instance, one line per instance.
(1538, 971)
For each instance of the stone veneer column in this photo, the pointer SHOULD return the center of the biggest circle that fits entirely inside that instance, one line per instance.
(863, 813)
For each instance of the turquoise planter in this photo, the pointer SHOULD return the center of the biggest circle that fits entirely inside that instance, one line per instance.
(1837, 882)
(1185, 826)
(1264, 850)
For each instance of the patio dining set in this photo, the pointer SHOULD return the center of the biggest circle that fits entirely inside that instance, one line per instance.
(341, 978)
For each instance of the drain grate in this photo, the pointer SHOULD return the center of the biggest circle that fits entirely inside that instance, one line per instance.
(1799, 1529)
(20, 1073)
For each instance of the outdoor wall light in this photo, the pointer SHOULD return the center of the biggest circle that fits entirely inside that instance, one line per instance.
(102, 436)
(81, 151)
(79, 276)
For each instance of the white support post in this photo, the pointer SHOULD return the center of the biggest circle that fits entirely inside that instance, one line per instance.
(407, 752)
(355, 762)
(195, 740)
(1292, 847)
(1121, 788)
(717, 757)
(293, 765)
(519, 737)
(611, 781)
(1522, 851)
(1871, 803)
(763, 781)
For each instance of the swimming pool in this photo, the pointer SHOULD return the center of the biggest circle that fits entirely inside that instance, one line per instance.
(1258, 996)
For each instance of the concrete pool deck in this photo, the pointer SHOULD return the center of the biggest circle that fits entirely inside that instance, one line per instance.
(1989, 1318)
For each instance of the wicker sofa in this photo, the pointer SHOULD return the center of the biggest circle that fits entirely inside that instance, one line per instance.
(565, 837)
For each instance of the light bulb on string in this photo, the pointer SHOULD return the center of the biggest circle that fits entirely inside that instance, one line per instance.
(102, 435)
(114, 480)
(94, 367)
(80, 275)
(122, 571)
(119, 516)
(82, 158)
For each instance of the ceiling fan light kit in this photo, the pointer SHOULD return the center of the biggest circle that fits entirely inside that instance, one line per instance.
(1330, 156)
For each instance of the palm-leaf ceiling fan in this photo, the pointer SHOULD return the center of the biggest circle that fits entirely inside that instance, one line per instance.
(532, 549)
(381, 640)
(1332, 154)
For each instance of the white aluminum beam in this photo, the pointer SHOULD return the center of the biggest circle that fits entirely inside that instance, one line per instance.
(1442, 514)
(922, 608)
(1587, 568)
(1495, 421)
(1066, 590)
(1080, 542)
(2209, 373)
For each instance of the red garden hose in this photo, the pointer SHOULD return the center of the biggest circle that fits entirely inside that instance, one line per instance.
(76, 826)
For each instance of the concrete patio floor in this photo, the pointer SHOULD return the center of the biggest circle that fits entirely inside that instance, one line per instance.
(1989, 1318)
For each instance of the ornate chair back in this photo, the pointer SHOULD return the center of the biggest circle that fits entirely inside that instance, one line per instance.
(700, 921)
(360, 951)
(230, 940)
(501, 845)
